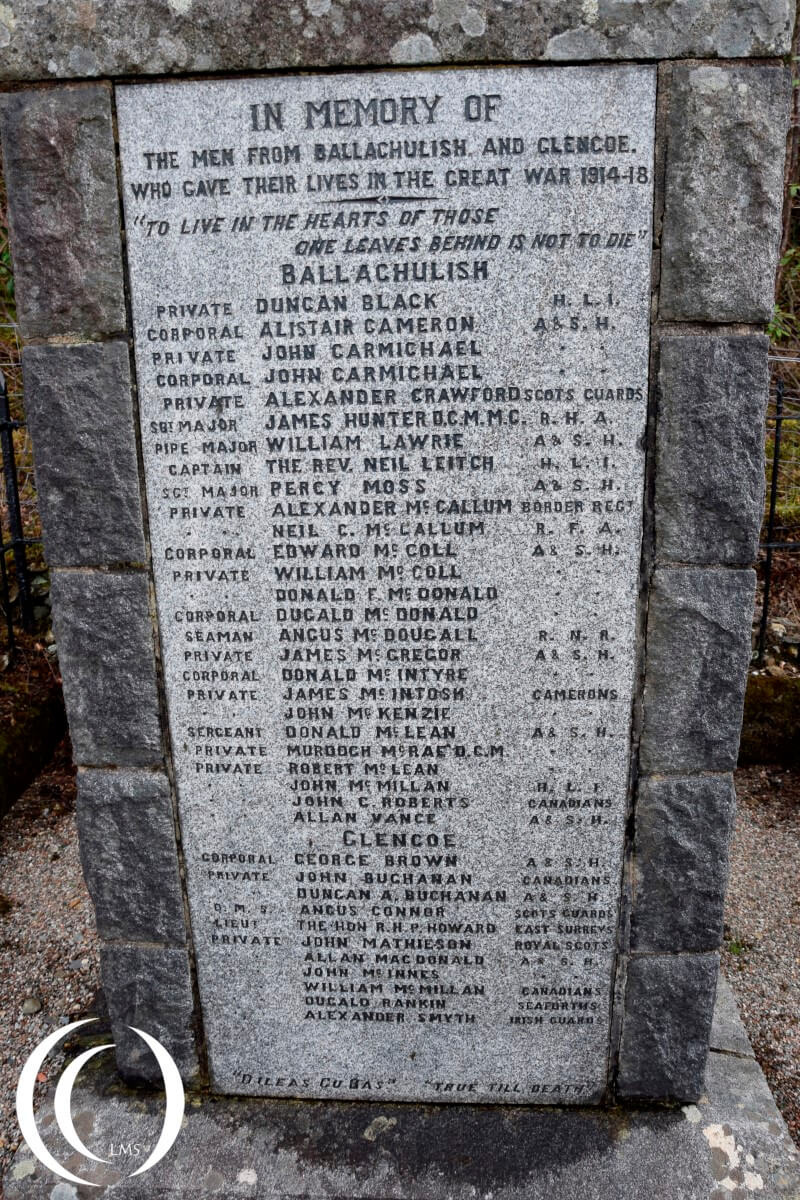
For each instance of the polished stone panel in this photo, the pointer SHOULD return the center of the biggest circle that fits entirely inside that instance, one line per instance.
(391, 338)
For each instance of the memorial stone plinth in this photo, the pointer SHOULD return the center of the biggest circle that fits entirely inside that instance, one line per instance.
(398, 436)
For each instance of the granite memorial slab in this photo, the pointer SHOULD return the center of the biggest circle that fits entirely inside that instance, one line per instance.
(391, 342)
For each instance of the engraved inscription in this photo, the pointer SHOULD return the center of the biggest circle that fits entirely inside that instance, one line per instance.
(391, 338)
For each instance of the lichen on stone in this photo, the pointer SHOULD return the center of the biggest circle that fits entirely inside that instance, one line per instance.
(415, 48)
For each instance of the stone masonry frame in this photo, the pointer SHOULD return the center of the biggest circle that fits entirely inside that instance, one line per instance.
(720, 134)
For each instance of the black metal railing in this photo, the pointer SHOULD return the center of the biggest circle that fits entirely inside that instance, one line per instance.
(13, 542)
(784, 406)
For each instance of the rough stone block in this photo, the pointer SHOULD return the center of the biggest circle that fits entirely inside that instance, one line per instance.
(105, 648)
(698, 650)
(60, 168)
(149, 988)
(669, 1004)
(129, 856)
(665, 29)
(710, 448)
(143, 37)
(723, 192)
(78, 404)
(680, 862)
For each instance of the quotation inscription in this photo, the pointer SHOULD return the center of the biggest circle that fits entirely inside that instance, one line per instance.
(391, 338)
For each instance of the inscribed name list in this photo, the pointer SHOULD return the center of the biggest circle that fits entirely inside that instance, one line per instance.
(391, 336)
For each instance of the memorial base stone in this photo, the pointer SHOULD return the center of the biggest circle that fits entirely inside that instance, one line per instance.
(732, 1144)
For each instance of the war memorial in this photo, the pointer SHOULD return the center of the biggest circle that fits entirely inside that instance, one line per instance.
(397, 378)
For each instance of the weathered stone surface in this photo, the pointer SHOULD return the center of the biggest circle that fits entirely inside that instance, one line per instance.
(278, 1148)
(105, 648)
(710, 448)
(669, 1003)
(680, 862)
(129, 856)
(698, 650)
(728, 1034)
(472, 586)
(60, 168)
(156, 37)
(78, 405)
(723, 193)
(640, 29)
(149, 987)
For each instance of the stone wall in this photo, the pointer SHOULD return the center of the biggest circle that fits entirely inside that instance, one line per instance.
(722, 122)
(60, 164)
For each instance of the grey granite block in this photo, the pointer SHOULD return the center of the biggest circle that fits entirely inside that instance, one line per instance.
(669, 1003)
(723, 193)
(710, 448)
(78, 404)
(643, 29)
(105, 648)
(129, 855)
(680, 862)
(149, 988)
(728, 1034)
(560, 701)
(698, 650)
(145, 37)
(60, 167)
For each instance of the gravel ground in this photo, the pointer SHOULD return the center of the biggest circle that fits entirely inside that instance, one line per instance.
(48, 943)
(49, 950)
(761, 959)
